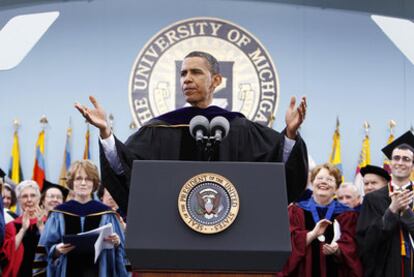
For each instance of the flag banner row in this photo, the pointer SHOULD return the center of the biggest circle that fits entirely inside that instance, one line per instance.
(15, 172)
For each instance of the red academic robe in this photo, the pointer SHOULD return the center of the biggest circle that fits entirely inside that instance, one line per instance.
(14, 257)
(300, 262)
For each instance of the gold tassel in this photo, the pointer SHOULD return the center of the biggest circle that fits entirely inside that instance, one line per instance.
(403, 251)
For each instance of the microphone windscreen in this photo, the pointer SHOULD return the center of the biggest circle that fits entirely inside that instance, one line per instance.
(220, 123)
(199, 122)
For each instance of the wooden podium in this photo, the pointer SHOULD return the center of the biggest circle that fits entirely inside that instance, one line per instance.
(159, 243)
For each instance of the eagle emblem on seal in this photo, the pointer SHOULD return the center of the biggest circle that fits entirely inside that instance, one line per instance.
(208, 203)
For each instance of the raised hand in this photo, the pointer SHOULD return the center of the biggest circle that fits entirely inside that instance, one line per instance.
(39, 214)
(25, 225)
(400, 200)
(295, 116)
(95, 116)
(25, 221)
(317, 231)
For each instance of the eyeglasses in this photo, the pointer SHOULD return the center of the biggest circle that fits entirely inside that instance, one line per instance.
(405, 159)
(54, 196)
(327, 179)
(80, 179)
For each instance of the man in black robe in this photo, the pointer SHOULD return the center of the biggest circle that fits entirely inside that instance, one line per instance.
(386, 223)
(167, 137)
(374, 178)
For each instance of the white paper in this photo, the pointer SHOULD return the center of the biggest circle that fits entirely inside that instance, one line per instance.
(100, 244)
(411, 240)
(337, 231)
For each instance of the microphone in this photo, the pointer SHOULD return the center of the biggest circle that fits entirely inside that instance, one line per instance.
(219, 128)
(199, 127)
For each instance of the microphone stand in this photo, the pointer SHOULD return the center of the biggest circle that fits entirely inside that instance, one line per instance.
(211, 148)
(206, 148)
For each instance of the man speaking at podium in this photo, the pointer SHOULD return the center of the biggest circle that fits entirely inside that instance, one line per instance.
(167, 137)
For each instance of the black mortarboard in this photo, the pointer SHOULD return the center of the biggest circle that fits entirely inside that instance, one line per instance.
(47, 185)
(2, 173)
(406, 138)
(375, 170)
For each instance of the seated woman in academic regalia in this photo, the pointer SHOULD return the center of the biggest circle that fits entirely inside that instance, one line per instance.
(79, 215)
(9, 202)
(23, 233)
(322, 231)
(52, 196)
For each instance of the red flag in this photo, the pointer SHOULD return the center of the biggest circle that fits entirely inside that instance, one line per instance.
(39, 165)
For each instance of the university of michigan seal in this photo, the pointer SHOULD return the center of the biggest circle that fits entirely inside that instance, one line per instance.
(250, 82)
(208, 203)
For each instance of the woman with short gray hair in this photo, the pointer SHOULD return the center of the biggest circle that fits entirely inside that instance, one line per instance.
(23, 233)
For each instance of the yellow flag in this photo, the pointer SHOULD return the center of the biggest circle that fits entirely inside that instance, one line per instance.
(335, 157)
(15, 170)
(365, 155)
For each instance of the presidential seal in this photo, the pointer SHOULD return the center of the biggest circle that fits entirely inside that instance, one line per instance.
(250, 82)
(208, 203)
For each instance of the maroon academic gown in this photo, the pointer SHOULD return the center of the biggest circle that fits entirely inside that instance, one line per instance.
(19, 262)
(301, 262)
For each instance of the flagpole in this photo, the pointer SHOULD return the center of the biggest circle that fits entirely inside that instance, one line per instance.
(15, 172)
(392, 125)
(366, 128)
(16, 124)
(44, 122)
(39, 170)
(335, 157)
(69, 130)
(66, 155)
(337, 123)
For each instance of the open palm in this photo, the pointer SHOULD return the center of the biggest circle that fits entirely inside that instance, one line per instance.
(95, 116)
(295, 116)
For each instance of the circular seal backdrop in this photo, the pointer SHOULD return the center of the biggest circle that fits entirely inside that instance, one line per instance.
(250, 82)
(208, 203)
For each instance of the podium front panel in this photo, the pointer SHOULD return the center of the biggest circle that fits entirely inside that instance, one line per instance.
(158, 239)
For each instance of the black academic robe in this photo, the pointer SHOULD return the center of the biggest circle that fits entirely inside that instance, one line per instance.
(168, 138)
(378, 235)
